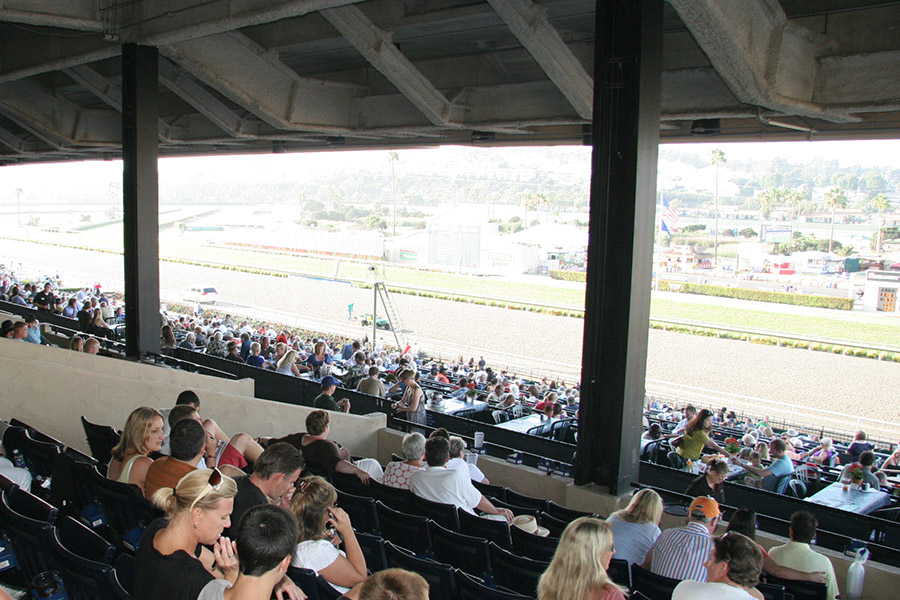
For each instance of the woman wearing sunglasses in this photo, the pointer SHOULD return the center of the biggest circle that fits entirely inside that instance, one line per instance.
(171, 562)
(579, 565)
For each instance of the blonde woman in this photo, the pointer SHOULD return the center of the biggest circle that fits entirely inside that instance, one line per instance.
(171, 562)
(142, 435)
(76, 343)
(578, 568)
(321, 522)
(287, 364)
(636, 526)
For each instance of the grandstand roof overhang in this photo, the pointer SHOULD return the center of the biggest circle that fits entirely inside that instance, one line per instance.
(239, 76)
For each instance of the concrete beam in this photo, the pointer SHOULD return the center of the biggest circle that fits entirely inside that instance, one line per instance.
(376, 45)
(186, 87)
(251, 77)
(16, 144)
(97, 84)
(23, 55)
(860, 83)
(764, 59)
(157, 22)
(83, 15)
(502, 108)
(680, 100)
(29, 104)
(529, 23)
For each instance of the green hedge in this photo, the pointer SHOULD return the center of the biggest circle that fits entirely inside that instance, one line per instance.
(758, 295)
(568, 275)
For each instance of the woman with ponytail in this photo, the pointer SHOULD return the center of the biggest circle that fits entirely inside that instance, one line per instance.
(171, 562)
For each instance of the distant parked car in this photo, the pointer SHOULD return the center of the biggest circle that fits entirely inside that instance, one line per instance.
(201, 294)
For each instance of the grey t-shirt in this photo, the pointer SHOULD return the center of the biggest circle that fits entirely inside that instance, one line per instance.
(214, 590)
(633, 540)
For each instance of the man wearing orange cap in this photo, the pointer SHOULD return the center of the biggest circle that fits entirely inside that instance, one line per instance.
(680, 553)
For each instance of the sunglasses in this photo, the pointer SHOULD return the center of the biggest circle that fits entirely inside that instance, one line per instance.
(215, 480)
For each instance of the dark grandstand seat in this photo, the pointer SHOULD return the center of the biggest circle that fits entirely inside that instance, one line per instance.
(471, 588)
(491, 490)
(28, 521)
(14, 441)
(620, 572)
(83, 558)
(652, 585)
(396, 498)
(656, 451)
(800, 590)
(441, 577)
(564, 514)
(533, 546)
(542, 430)
(350, 484)
(518, 499)
(465, 552)
(491, 530)
(121, 578)
(361, 510)
(559, 430)
(445, 515)
(372, 547)
(515, 572)
(771, 591)
(100, 439)
(554, 525)
(41, 459)
(7, 485)
(127, 511)
(72, 482)
(312, 584)
(409, 531)
(517, 510)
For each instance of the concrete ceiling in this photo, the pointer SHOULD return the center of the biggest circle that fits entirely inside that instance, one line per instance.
(239, 76)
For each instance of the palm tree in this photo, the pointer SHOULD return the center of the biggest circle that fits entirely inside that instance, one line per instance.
(881, 204)
(834, 197)
(767, 199)
(718, 157)
(794, 199)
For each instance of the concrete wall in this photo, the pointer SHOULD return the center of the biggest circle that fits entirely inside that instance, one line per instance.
(50, 388)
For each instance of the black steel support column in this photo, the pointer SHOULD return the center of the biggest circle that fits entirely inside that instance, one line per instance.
(140, 197)
(625, 138)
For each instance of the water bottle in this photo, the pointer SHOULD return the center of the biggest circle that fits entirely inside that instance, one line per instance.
(856, 575)
(48, 586)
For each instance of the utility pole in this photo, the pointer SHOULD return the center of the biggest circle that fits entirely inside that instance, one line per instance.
(392, 156)
(717, 157)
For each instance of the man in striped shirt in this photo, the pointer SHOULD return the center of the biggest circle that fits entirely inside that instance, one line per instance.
(680, 553)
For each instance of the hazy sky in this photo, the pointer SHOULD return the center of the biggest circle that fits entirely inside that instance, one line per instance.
(55, 179)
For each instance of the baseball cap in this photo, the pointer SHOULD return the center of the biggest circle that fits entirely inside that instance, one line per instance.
(329, 380)
(703, 505)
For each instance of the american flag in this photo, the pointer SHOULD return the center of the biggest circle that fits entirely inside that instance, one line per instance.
(669, 218)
